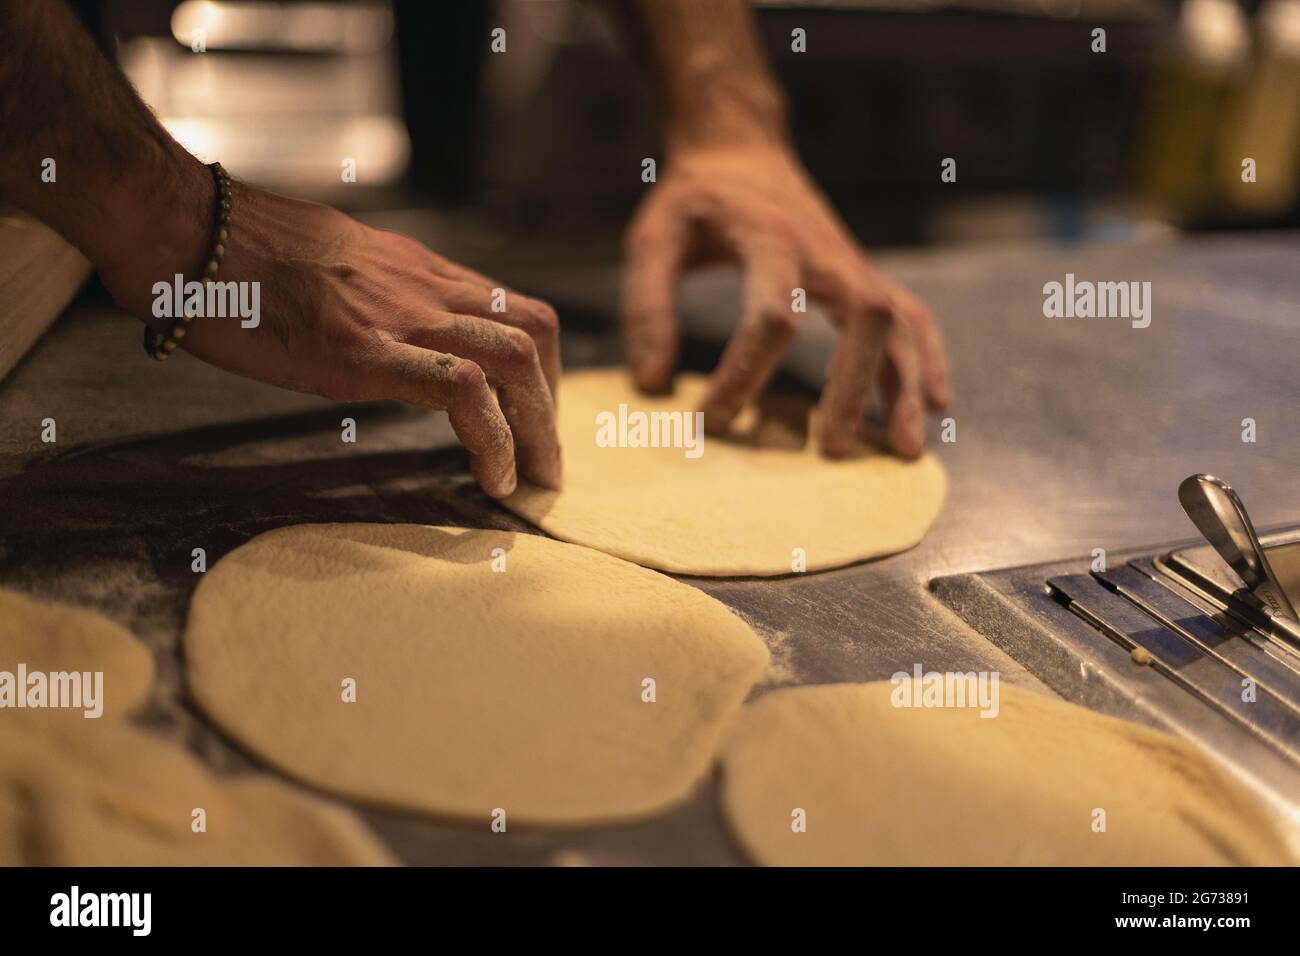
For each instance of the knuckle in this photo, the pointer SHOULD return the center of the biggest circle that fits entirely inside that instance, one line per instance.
(909, 303)
(898, 348)
(873, 310)
(520, 351)
(468, 382)
(905, 366)
(439, 264)
(909, 318)
(779, 323)
(542, 320)
(920, 314)
(644, 234)
(878, 307)
(834, 282)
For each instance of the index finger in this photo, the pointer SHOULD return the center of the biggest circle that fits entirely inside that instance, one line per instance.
(768, 324)
(654, 252)
(850, 374)
(510, 361)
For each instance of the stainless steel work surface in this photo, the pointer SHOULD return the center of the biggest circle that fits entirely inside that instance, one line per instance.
(1071, 434)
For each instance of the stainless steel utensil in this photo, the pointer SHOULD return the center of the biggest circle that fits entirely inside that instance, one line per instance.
(1219, 514)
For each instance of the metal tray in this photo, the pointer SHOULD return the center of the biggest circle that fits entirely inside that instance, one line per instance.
(1159, 636)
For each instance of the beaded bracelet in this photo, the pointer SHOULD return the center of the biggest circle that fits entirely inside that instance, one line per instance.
(162, 346)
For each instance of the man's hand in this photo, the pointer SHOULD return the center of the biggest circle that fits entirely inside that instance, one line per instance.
(755, 206)
(346, 312)
(735, 191)
(355, 313)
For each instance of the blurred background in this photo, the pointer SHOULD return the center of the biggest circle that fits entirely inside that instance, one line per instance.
(535, 154)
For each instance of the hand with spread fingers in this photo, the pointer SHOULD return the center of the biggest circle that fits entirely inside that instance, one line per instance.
(756, 207)
(734, 190)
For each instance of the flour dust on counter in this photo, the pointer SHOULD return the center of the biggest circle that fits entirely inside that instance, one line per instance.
(856, 774)
(495, 677)
(643, 482)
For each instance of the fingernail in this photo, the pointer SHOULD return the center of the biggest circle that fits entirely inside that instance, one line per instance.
(653, 378)
(915, 427)
(497, 486)
(717, 417)
(941, 394)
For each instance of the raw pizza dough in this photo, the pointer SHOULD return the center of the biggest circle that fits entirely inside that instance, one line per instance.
(476, 690)
(743, 506)
(883, 785)
(50, 638)
(96, 792)
(111, 795)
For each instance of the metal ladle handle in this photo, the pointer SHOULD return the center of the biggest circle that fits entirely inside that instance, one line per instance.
(1220, 516)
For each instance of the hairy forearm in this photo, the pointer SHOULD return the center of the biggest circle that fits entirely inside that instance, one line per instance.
(717, 86)
(121, 189)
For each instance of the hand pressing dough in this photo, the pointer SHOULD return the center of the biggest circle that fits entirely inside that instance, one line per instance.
(741, 507)
(891, 786)
(110, 795)
(517, 688)
(54, 639)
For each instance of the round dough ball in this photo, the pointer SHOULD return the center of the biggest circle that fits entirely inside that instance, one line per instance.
(110, 795)
(886, 785)
(491, 670)
(742, 506)
(50, 638)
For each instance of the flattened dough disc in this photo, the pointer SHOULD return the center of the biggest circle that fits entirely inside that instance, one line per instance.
(885, 785)
(743, 506)
(97, 792)
(519, 688)
(110, 795)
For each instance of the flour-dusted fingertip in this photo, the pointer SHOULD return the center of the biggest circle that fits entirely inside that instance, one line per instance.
(495, 480)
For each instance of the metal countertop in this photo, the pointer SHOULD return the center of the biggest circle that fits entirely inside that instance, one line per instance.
(1072, 434)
